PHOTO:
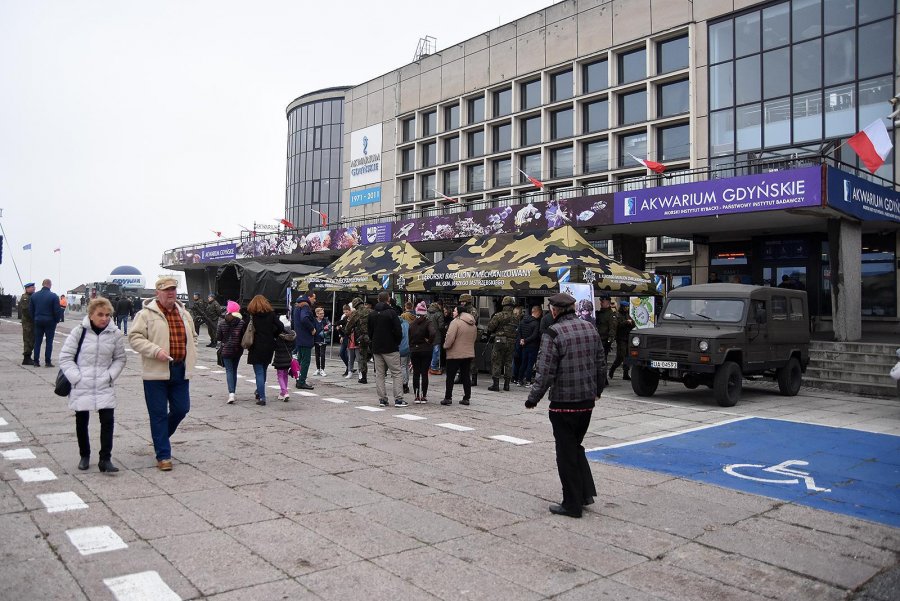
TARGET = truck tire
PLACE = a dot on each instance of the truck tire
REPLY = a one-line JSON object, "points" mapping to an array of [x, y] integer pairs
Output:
{"points": [[644, 381], [789, 377], [728, 383]]}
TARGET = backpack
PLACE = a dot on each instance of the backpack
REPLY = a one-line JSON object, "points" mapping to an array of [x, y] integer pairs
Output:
{"points": [[404, 343]]}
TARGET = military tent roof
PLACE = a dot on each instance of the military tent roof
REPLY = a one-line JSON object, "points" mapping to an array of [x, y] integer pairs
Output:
{"points": [[365, 268]]}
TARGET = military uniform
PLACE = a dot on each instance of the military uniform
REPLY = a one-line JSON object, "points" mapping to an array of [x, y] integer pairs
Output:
{"points": [[213, 311], [27, 327], [503, 327], [358, 324], [466, 300], [623, 330], [198, 312], [607, 324]]}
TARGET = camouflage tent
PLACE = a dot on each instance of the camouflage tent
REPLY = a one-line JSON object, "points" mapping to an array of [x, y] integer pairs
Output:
{"points": [[527, 263], [368, 268]]}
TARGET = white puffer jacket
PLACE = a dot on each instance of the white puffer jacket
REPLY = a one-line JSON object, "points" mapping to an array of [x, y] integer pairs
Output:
{"points": [[101, 360]]}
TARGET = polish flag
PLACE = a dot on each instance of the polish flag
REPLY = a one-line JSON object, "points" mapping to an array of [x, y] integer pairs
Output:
{"points": [[218, 234], [247, 229], [873, 145], [537, 183], [445, 197], [286, 223], [651, 165], [322, 216], [57, 250]]}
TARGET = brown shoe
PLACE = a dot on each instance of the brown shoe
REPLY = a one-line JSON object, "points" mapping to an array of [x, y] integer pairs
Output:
{"points": [[164, 465]]}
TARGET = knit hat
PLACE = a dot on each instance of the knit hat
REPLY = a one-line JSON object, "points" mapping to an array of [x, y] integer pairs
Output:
{"points": [[422, 309], [233, 308]]}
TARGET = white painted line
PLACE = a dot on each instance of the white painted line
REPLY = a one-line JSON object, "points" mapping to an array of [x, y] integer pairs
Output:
{"points": [[217, 371], [334, 400], [411, 417], [17, 454], [249, 380], [8, 437], [456, 427], [99, 539], [274, 387], [200, 367], [364, 408], [305, 393], [512, 439], [143, 586], [670, 434], [3, 422], [36, 474], [62, 501]]}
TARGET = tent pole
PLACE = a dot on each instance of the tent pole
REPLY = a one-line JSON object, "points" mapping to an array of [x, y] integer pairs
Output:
{"points": [[333, 314]]}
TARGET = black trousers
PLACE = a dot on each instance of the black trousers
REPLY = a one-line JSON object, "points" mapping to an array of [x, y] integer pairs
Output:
{"points": [[574, 471], [107, 423], [420, 363], [320, 356], [465, 372]]}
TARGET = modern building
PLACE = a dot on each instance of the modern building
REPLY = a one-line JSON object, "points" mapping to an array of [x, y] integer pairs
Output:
{"points": [[730, 95]]}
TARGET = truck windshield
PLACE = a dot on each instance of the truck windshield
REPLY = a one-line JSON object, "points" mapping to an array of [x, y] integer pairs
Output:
{"points": [[701, 309]]}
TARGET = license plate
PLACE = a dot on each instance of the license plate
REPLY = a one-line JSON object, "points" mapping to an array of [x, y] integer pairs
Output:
{"points": [[664, 364]]}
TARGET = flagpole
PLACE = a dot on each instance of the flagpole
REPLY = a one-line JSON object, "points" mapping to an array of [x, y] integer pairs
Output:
{"points": [[6, 239]]}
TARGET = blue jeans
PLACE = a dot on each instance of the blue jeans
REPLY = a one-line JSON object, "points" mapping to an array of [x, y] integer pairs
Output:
{"points": [[168, 401], [231, 367], [343, 353], [122, 323], [259, 370], [43, 328], [436, 356], [529, 355]]}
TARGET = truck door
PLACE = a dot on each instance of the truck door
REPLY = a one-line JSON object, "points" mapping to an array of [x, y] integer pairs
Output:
{"points": [[759, 344]]}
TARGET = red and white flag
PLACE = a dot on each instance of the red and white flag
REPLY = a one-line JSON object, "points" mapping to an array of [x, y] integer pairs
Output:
{"points": [[218, 234], [873, 145], [537, 183], [57, 250], [286, 223], [651, 165], [445, 197], [247, 229], [322, 216]]}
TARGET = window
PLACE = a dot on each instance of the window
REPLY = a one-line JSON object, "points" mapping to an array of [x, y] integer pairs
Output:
{"points": [[632, 146], [776, 73], [596, 116], [721, 86], [749, 127], [451, 117], [672, 55], [530, 94], [407, 191], [746, 34], [428, 186], [562, 124], [840, 56], [632, 66], [596, 156], [669, 244], [476, 109], [561, 162], [429, 123], [721, 41], [502, 137], [561, 86], [674, 143], [429, 154], [451, 182], [807, 65], [475, 177], [530, 164], [408, 128], [807, 109], [475, 143], [451, 149], [596, 76], [779, 308], [806, 19], [876, 52], [872, 94], [502, 102], [502, 173], [747, 77], [776, 26], [777, 122], [796, 309], [840, 111], [531, 131], [633, 107], [407, 159], [673, 98]]}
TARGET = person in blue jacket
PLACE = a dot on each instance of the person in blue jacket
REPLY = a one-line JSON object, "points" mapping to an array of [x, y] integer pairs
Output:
{"points": [[304, 324], [46, 312]]}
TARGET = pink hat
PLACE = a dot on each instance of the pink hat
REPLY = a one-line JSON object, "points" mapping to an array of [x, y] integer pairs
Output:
{"points": [[233, 308], [422, 308]]}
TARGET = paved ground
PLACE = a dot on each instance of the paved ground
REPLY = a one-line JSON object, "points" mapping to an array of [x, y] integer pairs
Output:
{"points": [[318, 499]]}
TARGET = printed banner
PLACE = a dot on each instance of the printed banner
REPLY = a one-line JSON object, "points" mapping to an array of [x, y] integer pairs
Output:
{"points": [[860, 198], [222, 252], [365, 196], [365, 156], [373, 234], [584, 299]]}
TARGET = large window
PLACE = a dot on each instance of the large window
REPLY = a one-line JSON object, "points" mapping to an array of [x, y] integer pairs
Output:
{"points": [[451, 149], [632, 147], [429, 123], [428, 186], [633, 107], [451, 182], [596, 156], [408, 129], [451, 117], [407, 191], [530, 164], [531, 130], [561, 86], [530, 94], [562, 124], [502, 137], [672, 55], [632, 66], [674, 142], [476, 109], [475, 177], [475, 143], [407, 159], [596, 76], [674, 98], [429, 154], [561, 162], [502, 102], [502, 173], [596, 116]]}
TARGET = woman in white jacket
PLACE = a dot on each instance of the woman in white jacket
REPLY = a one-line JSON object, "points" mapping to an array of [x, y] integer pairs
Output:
{"points": [[101, 360]]}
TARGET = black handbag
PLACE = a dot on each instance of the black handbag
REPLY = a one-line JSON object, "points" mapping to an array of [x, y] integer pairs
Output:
{"points": [[63, 386]]}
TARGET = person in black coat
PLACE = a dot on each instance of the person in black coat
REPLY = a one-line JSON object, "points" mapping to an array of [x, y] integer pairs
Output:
{"points": [[386, 334], [266, 327], [528, 338]]}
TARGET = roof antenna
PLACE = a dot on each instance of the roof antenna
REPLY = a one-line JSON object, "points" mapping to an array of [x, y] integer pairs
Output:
{"points": [[426, 46]]}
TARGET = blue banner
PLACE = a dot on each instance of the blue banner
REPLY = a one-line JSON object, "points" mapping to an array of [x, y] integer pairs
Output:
{"points": [[860, 198], [365, 196]]}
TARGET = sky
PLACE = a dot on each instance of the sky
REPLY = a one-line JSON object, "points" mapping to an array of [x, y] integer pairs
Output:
{"points": [[128, 127]]}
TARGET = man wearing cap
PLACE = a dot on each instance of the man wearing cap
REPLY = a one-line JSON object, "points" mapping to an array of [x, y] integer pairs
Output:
{"points": [[358, 325], [623, 331], [607, 322], [46, 313], [198, 311], [213, 311], [163, 335], [503, 326], [572, 366], [27, 323]]}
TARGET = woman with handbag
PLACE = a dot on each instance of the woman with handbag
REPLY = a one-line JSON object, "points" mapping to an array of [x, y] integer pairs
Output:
{"points": [[92, 358], [265, 329], [229, 333]]}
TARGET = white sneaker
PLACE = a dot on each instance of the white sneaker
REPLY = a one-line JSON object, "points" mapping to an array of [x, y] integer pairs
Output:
{"points": [[231, 398], [349, 375], [323, 374]]}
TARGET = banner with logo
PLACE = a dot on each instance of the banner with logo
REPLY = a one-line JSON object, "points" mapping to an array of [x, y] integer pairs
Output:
{"points": [[365, 156], [222, 252], [863, 199], [584, 299], [373, 234]]}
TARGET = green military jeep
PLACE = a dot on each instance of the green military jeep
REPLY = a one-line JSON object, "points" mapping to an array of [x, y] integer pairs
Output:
{"points": [[717, 334]]}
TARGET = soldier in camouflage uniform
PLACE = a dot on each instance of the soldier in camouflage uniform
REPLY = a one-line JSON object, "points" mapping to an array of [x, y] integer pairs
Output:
{"points": [[466, 300], [503, 327], [213, 311], [198, 311], [607, 323], [27, 323], [358, 324]]}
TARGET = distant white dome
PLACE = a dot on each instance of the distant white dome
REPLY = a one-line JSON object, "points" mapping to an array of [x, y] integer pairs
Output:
{"points": [[126, 275]]}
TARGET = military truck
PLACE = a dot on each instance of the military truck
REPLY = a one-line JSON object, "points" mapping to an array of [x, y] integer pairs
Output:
{"points": [[718, 334]]}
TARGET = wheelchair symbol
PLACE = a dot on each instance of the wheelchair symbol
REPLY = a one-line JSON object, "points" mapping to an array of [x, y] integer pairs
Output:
{"points": [[782, 469]]}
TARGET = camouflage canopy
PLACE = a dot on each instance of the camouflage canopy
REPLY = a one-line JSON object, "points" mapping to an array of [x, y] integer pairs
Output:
{"points": [[527, 263], [365, 268]]}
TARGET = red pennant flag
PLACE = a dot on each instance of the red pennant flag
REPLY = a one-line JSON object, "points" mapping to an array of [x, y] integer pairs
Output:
{"points": [[56, 250], [537, 183], [322, 216], [651, 165], [872, 144], [445, 197], [218, 234], [286, 223], [247, 229]]}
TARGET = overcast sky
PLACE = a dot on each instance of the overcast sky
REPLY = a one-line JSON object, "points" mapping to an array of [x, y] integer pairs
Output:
{"points": [[128, 127]]}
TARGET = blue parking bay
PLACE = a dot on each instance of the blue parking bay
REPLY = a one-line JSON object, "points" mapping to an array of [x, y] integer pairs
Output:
{"points": [[836, 469]]}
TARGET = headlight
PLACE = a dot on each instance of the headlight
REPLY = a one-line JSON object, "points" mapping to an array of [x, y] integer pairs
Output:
{"points": [[704, 346], [635, 341]]}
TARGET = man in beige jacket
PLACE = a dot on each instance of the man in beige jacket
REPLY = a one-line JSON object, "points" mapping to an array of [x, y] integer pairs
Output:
{"points": [[164, 336]]}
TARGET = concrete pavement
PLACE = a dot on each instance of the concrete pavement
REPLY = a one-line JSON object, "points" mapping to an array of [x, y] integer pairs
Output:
{"points": [[329, 497]]}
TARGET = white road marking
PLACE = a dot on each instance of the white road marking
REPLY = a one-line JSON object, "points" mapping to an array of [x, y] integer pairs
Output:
{"points": [[249, 380], [305, 393], [334, 400], [217, 371], [411, 417], [456, 427], [143, 586], [512, 439], [274, 387], [669, 434], [36, 474], [99, 539], [16, 454], [200, 367], [8, 437], [365, 408], [62, 501], [3, 422]]}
